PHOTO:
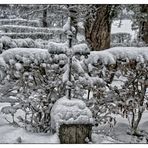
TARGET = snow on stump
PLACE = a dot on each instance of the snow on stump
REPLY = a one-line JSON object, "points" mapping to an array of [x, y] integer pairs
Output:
{"points": [[72, 120]]}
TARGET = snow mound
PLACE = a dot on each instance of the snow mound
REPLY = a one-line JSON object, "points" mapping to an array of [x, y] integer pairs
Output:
{"points": [[110, 56], [72, 111], [23, 54], [57, 48], [81, 49], [62, 48]]}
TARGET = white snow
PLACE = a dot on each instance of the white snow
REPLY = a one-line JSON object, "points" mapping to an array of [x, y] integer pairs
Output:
{"points": [[72, 111], [81, 25], [65, 75], [126, 27], [10, 134], [111, 55], [66, 27], [57, 48], [81, 49], [100, 138], [22, 53], [18, 66]]}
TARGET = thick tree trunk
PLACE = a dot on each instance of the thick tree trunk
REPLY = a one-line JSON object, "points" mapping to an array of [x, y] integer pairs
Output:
{"points": [[74, 133], [144, 24], [97, 29]]}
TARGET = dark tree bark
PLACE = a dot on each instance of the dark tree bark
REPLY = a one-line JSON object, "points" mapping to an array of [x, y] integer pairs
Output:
{"points": [[144, 24], [44, 20], [98, 28]]}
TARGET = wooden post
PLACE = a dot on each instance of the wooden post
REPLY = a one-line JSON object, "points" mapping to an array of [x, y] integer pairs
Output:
{"points": [[74, 133]]}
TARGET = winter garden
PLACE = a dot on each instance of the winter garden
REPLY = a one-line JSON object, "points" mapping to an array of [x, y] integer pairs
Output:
{"points": [[73, 73]]}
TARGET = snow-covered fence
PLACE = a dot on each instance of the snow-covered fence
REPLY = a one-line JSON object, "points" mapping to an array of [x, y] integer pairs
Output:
{"points": [[24, 22]]}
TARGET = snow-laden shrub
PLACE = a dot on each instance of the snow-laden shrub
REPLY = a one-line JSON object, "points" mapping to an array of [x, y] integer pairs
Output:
{"points": [[125, 72], [27, 29], [37, 78], [34, 78], [24, 22], [7, 43], [36, 35]]}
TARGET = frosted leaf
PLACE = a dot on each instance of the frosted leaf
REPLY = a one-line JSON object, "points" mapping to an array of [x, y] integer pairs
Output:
{"points": [[66, 27], [17, 74], [65, 76], [11, 61], [44, 65], [77, 66], [18, 66]]}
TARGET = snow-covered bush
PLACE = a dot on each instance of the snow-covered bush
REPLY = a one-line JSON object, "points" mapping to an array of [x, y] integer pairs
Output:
{"points": [[27, 29], [36, 35], [36, 79], [24, 22], [7, 43], [125, 72]]}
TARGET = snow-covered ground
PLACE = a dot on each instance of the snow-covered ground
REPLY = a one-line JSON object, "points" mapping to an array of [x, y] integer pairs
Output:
{"points": [[102, 134], [11, 134]]}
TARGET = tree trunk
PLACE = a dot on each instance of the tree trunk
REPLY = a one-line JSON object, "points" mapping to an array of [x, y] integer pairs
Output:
{"points": [[136, 123], [98, 28], [44, 20], [74, 133], [144, 24]]}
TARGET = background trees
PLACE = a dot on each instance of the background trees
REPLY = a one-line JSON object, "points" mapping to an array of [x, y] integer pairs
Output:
{"points": [[98, 25]]}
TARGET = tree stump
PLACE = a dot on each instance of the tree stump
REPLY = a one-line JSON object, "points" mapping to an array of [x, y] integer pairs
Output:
{"points": [[74, 133]]}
